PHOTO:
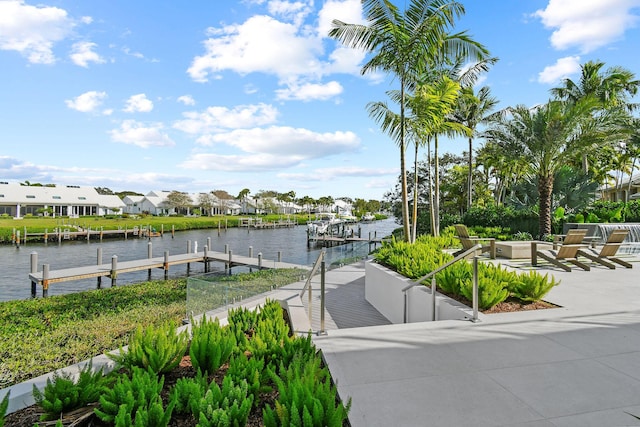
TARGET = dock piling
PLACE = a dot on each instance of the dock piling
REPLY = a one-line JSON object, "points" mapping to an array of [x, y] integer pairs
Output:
{"points": [[149, 255], [260, 260], [45, 280], [114, 270], [34, 269], [250, 251], [166, 265], [99, 262]]}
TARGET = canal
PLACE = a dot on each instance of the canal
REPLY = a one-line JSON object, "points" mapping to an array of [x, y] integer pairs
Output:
{"points": [[290, 242]]}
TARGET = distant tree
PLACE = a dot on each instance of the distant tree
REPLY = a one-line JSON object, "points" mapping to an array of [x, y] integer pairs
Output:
{"points": [[223, 200], [243, 196], [104, 191], [179, 200], [206, 201], [123, 194]]}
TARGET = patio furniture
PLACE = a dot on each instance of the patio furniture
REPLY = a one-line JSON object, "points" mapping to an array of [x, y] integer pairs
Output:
{"points": [[567, 251], [608, 250], [470, 241]]}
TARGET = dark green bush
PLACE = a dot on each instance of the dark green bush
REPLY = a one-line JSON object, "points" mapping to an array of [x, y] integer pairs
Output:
{"points": [[211, 345], [226, 406], [157, 348], [63, 393], [4, 404], [532, 286]]}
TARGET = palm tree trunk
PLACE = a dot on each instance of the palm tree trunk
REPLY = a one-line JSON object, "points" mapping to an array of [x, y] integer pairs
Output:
{"points": [[545, 187], [633, 166], [414, 224], [436, 202], [403, 171], [432, 216], [470, 177]]}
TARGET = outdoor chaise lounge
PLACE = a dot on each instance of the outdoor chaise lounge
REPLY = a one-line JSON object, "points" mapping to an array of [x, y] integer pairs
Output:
{"points": [[607, 252], [568, 251], [470, 241]]}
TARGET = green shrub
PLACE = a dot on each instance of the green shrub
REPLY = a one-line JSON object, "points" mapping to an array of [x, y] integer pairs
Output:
{"points": [[226, 406], [453, 277], [63, 393], [522, 235], [157, 348], [412, 260], [532, 286], [4, 405], [591, 218], [252, 370], [306, 397], [135, 400], [211, 345], [188, 392], [579, 218], [490, 293]]}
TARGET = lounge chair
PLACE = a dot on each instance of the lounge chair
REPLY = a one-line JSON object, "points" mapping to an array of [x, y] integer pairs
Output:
{"points": [[568, 251], [470, 241], [607, 252]]}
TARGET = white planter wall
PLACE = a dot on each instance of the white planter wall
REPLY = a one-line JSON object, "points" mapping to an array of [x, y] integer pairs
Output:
{"points": [[383, 290]]}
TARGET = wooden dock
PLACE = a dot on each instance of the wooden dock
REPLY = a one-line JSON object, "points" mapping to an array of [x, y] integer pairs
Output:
{"points": [[46, 277]]}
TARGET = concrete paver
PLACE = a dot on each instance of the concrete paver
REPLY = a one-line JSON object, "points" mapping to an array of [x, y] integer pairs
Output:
{"points": [[576, 365]]}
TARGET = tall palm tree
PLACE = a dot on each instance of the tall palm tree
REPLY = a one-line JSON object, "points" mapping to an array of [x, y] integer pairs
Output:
{"points": [[612, 88], [546, 136], [405, 44], [472, 110]]}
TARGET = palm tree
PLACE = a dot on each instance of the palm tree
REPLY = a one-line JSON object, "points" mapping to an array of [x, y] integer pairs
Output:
{"points": [[472, 110], [547, 136], [406, 44], [612, 88]]}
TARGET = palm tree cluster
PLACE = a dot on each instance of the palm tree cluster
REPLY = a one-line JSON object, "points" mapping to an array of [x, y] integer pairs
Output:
{"points": [[584, 125]]}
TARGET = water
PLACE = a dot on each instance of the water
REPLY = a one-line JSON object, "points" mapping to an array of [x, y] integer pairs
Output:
{"points": [[291, 242]]}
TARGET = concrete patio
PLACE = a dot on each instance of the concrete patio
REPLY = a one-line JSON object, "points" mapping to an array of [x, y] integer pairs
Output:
{"points": [[577, 365]]}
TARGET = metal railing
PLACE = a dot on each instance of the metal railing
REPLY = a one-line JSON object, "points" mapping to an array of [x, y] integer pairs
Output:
{"points": [[321, 265], [432, 274]]}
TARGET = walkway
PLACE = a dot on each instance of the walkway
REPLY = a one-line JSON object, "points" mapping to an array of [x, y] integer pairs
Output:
{"points": [[578, 365]]}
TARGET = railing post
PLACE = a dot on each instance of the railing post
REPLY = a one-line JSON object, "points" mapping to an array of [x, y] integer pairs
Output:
{"points": [[206, 259], [166, 265], [34, 269], [230, 260], [322, 300], [433, 299], [279, 256], [475, 289]]}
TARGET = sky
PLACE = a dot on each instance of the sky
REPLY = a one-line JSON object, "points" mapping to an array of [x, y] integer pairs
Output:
{"points": [[210, 95]]}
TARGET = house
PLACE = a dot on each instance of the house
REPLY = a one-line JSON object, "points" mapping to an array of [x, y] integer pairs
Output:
{"points": [[623, 192], [57, 200]]}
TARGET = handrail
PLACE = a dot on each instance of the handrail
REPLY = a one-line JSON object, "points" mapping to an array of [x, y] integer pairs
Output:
{"points": [[313, 271], [442, 267], [432, 274]]}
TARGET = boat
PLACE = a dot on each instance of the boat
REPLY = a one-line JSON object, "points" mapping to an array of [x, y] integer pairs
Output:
{"points": [[368, 217]]}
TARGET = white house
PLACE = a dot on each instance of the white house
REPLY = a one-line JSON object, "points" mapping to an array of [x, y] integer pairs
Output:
{"points": [[60, 200]]}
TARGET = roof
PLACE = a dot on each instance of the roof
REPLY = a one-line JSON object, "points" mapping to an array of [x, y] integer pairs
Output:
{"points": [[14, 193]]}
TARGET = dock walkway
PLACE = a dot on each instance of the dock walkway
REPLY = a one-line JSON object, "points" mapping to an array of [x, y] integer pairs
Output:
{"points": [[45, 278]]}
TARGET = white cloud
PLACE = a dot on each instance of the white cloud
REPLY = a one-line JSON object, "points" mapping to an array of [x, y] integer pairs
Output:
{"points": [[294, 11], [260, 44], [587, 24], [288, 141], [329, 174], [215, 119], [141, 135], [138, 104], [82, 54], [349, 11], [240, 163], [87, 102], [33, 30], [310, 91], [187, 100], [563, 68]]}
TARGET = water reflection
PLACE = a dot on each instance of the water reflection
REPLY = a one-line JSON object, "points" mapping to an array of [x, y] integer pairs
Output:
{"points": [[290, 242]]}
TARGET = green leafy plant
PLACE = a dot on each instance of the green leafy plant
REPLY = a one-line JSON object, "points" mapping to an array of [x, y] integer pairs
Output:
{"points": [[4, 405], [451, 278], [63, 393], [252, 370], [211, 345], [188, 392], [533, 286], [226, 406], [490, 293], [306, 397], [135, 401], [157, 348]]}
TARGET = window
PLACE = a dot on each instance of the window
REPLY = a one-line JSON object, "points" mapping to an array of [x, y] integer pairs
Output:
{"points": [[57, 197], [1, 195], [82, 198], [30, 196]]}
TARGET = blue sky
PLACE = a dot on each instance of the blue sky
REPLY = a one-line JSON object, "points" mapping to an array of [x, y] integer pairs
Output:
{"points": [[225, 95]]}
